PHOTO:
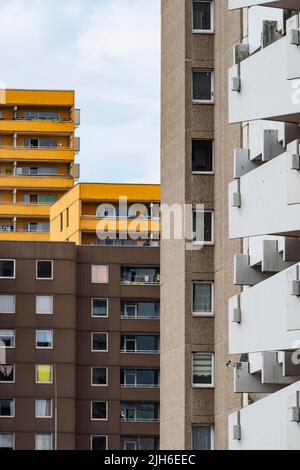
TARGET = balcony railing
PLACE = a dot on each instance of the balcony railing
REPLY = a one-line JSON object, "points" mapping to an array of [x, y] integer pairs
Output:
{"points": [[141, 281], [23, 203], [125, 316], [141, 386], [140, 351], [4, 229], [139, 420], [37, 147], [37, 119]]}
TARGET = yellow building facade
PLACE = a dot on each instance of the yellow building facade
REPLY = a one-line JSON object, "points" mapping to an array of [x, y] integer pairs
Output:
{"points": [[37, 159], [123, 215]]}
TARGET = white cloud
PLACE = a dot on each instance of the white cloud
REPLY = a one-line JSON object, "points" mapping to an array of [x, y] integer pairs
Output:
{"points": [[109, 52]]}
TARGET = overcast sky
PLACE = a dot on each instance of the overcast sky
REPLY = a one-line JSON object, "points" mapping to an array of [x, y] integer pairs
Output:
{"points": [[109, 52]]}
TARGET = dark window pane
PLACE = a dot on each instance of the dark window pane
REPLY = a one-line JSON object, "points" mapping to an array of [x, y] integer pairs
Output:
{"points": [[99, 307], [202, 369], [202, 438], [99, 342], [202, 86], [202, 298], [99, 376], [99, 410], [7, 268], [6, 373], [44, 269], [202, 226], [98, 443], [202, 152], [201, 15], [6, 407]]}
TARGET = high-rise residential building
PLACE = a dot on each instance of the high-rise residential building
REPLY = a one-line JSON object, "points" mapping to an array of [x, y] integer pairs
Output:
{"points": [[264, 322], [197, 166], [37, 159], [79, 346]]}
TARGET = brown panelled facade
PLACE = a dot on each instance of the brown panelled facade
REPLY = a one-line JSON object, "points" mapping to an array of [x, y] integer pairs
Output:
{"points": [[70, 424]]}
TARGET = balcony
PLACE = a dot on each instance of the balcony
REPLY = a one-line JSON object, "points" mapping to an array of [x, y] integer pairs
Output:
{"points": [[90, 223], [55, 154], [35, 182], [271, 423], [20, 235], [139, 344], [288, 4], [135, 276], [139, 412], [140, 310], [266, 316], [38, 126], [257, 209], [10, 209], [249, 81]]}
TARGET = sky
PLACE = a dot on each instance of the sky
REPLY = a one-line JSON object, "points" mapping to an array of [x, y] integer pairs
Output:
{"points": [[108, 51]]}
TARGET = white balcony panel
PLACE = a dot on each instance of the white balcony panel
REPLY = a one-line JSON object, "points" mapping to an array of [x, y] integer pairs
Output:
{"points": [[263, 79], [267, 424], [269, 316], [269, 203], [293, 52], [256, 247], [289, 4]]}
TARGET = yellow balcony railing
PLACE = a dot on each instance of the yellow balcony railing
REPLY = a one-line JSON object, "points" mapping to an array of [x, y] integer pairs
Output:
{"points": [[61, 154], [8, 209], [40, 126], [90, 224], [51, 182], [25, 236]]}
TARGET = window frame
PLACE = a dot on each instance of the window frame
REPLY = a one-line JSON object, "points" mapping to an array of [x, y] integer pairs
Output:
{"points": [[14, 304], [14, 371], [43, 417], [40, 347], [212, 79], [204, 314], [212, 18], [207, 243], [14, 340], [14, 439], [203, 386], [99, 385], [107, 272], [44, 295], [96, 435], [36, 270], [212, 157], [14, 409], [43, 434], [92, 342], [212, 433], [99, 401], [92, 307], [36, 374], [14, 263]]}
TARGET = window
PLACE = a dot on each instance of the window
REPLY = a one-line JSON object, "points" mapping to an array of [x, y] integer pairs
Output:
{"points": [[67, 217], [99, 342], [44, 374], [139, 412], [7, 268], [202, 438], [203, 298], [61, 221], [99, 442], [6, 441], [203, 86], [44, 339], [139, 443], [143, 344], [7, 373], [99, 274], [203, 370], [99, 307], [142, 309], [99, 376], [99, 410], [202, 156], [142, 378], [44, 304], [203, 16], [44, 270], [7, 304], [43, 408], [7, 408], [203, 227], [43, 442], [7, 339], [140, 275]]}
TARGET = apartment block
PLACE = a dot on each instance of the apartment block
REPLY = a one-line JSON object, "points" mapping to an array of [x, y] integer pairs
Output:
{"points": [[117, 210], [264, 327], [197, 143], [79, 346], [37, 159]]}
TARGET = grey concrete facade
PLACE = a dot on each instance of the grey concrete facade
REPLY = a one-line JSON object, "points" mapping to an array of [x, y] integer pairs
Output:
{"points": [[183, 406]]}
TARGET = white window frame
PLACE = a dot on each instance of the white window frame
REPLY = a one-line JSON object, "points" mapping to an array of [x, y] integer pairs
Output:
{"points": [[43, 417], [36, 270], [204, 314], [14, 410], [44, 295], [212, 100], [44, 434], [212, 18], [99, 385], [97, 435], [14, 341], [212, 432], [14, 301], [99, 333], [212, 385], [39, 347], [100, 283], [212, 242], [99, 401], [107, 307], [14, 381], [213, 159], [14, 276], [36, 377], [13, 436]]}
